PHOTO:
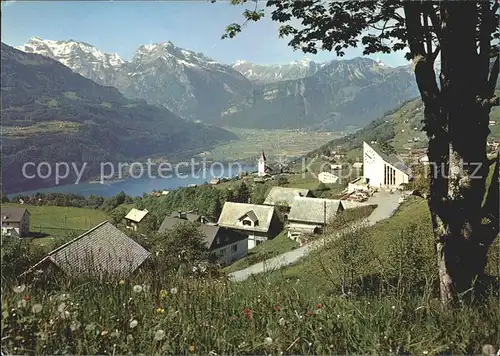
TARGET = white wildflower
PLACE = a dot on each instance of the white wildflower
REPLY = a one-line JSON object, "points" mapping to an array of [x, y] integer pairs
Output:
{"points": [[21, 303], [425, 352], [19, 289], [173, 290], [137, 288], [75, 325], [64, 297], [159, 335], [133, 324], [393, 307], [268, 341], [282, 321], [37, 308]]}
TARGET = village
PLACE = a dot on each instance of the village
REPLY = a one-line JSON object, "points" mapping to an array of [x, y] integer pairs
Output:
{"points": [[241, 227]]}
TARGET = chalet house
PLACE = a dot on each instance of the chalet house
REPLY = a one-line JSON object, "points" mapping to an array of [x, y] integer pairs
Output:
{"points": [[102, 251], [177, 217], [310, 215], [134, 218], [214, 181], [15, 221], [227, 244], [258, 222], [285, 196], [382, 170], [327, 178]]}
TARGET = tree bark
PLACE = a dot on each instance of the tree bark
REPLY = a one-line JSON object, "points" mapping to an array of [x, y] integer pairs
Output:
{"points": [[456, 121]]}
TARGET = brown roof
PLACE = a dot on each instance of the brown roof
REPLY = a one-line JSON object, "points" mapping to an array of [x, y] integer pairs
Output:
{"points": [[169, 222], [13, 214], [218, 236], [103, 250]]}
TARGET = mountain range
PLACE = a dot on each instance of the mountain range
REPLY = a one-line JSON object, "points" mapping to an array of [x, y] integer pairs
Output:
{"points": [[333, 95], [51, 114]]}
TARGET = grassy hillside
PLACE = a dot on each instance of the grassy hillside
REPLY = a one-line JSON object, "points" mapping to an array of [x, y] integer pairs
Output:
{"points": [[48, 223], [52, 114], [388, 306]]}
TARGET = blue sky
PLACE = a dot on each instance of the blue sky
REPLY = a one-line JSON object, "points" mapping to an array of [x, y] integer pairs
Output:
{"points": [[122, 26]]}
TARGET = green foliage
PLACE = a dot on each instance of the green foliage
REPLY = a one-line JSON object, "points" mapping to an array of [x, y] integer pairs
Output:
{"points": [[206, 198], [282, 180], [150, 223], [384, 271], [242, 194], [178, 250], [117, 215]]}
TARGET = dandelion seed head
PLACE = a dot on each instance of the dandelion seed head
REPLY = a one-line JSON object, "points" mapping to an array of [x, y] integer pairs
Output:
{"points": [[61, 307], [137, 288], [159, 335], [75, 325], [173, 290], [19, 289], [37, 308]]}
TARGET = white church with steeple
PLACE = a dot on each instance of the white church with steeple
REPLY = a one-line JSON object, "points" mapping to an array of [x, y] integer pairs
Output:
{"points": [[261, 171]]}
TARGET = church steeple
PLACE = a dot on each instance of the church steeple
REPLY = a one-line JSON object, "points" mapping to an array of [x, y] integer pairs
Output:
{"points": [[262, 165]]}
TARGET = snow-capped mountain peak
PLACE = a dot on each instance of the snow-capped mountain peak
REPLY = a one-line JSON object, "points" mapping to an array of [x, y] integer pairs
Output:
{"points": [[65, 51]]}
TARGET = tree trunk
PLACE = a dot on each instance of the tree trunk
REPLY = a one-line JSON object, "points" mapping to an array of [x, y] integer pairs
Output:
{"points": [[456, 121]]}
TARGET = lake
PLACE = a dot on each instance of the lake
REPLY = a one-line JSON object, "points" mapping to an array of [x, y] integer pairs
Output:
{"points": [[136, 187]]}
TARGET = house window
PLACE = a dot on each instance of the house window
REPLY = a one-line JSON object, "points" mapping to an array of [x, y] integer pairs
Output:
{"points": [[222, 252], [247, 222], [234, 248], [256, 223]]}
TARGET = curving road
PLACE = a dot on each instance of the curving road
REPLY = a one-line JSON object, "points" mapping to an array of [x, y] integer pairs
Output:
{"points": [[386, 206]]}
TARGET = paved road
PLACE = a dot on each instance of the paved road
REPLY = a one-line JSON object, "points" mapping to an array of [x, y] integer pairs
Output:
{"points": [[387, 205]]}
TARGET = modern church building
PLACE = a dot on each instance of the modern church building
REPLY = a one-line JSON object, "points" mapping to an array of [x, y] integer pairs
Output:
{"points": [[381, 170]]}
